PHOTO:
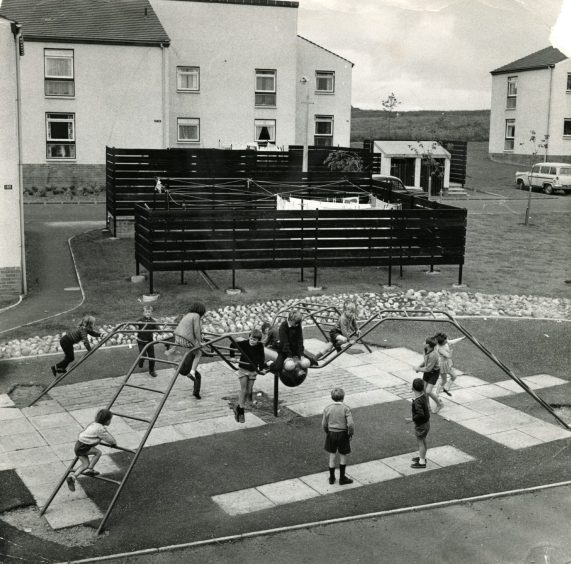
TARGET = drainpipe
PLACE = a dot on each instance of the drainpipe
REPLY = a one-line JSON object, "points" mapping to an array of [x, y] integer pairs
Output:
{"points": [[551, 67], [165, 97], [17, 31]]}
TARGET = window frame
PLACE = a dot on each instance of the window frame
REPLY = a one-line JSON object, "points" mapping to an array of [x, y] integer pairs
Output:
{"points": [[510, 123], [269, 141], [323, 72], [54, 141], [180, 73], [178, 124], [323, 119], [568, 90], [61, 79], [266, 73], [511, 94], [567, 121]]}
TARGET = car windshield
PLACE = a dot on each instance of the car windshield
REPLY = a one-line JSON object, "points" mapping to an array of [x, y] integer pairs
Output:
{"points": [[565, 170]]}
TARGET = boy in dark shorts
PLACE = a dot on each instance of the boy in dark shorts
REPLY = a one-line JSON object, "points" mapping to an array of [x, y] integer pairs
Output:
{"points": [[421, 419], [338, 424]]}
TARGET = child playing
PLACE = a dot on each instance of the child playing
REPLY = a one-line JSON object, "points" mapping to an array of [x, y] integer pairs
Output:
{"points": [[250, 365], [445, 360], [92, 435], [338, 424], [421, 418], [72, 337], [290, 355], [188, 333], [344, 329], [146, 325], [431, 371]]}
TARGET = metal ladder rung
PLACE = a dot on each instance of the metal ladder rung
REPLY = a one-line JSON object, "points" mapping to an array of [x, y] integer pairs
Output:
{"points": [[131, 417], [103, 479], [147, 358], [144, 388], [165, 361]]}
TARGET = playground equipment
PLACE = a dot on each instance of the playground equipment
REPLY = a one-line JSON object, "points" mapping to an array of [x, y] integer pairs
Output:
{"points": [[215, 345]]}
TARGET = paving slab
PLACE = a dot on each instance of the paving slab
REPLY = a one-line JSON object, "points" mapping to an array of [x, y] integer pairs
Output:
{"points": [[373, 472], [243, 501], [402, 462], [27, 457], [10, 413], [544, 380], [43, 407], [59, 435], [496, 391], [320, 482], [70, 513], [405, 355], [448, 455], [40, 474], [21, 441], [16, 427], [545, 432], [287, 491], [6, 401], [515, 439]]}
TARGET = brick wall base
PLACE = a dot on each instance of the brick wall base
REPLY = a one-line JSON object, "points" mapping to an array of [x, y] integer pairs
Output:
{"points": [[524, 160], [125, 227], [63, 175], [10, 281]]}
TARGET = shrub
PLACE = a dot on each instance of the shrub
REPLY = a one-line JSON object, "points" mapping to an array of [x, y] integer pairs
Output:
{"points": [[42, 192]]}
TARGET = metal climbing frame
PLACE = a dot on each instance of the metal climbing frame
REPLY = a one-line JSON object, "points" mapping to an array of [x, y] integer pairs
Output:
{"points": [[317, 312], [211, 346]]}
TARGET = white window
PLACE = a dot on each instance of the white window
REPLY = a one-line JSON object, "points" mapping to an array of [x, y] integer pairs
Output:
{"points": [[323, 131], [188, 130], [265, 87], [512, 93], [567, 127], [60, 131], [325, 81], [188, 79], [510, 135], [265, 131], [58, 72]]}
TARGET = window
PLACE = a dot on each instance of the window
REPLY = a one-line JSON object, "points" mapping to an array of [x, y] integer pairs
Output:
{"points": [[188, 130], [188, 79], [535, 169], [569, 82], [512, 93], [510, 135], [60, 131], [58, 72], [265, 131], [325, 81], [265, 87], [567, 127], [323, 131]]}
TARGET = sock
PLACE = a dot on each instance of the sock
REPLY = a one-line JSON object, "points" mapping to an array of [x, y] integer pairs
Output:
{"points": [[342, 470], [422, 461], [332, 472], [193, 372]]}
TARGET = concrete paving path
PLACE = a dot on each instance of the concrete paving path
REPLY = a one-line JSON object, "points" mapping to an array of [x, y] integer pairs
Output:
{"points": [[53, 287]]}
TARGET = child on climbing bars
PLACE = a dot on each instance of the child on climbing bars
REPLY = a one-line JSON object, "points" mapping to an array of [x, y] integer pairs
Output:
{"points": [[250, 365], [344, 329], [72, 337], [338, 423], [86, 443], [421, 419]]}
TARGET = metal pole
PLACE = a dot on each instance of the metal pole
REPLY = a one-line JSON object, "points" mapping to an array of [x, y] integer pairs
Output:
{"points": [[276, 389]]}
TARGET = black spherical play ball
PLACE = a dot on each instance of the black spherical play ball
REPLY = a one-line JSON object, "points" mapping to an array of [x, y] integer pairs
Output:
{"points": [[293, 378]]}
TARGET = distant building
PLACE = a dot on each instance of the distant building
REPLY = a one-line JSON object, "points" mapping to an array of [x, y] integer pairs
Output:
{"points": [[532, 94], [12, 257], [169, 73]]}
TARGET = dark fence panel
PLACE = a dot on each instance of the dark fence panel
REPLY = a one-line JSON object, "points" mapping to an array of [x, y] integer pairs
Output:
{"points": [[459, 158]]}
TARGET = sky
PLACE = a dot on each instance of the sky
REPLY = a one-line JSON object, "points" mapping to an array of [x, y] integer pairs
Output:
{"points": [[433, 54]]}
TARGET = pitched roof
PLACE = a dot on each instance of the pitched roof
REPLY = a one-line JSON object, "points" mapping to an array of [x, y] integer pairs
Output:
{"points": [[410, 149], [87, 21], [278, 3], [313, 43], [539, 60]]}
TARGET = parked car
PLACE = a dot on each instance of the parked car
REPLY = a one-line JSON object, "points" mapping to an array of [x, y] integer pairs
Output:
{"points": [[395, 184], [548, 177]]}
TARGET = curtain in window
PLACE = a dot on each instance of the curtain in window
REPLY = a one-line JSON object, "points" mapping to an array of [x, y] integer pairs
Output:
{"points": [[59, 66]]}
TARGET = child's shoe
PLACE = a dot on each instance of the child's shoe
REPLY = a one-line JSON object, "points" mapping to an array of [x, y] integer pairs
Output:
{"points": [[54, 371], [236, 411], [153, 374], [241, 415], [344, 480], [91, 472], [418, 464], [415, 459], [71, 482], [331, 480]]}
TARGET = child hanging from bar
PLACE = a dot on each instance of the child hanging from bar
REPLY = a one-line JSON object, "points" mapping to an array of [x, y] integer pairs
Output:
{"points": [[251, 364], [86, 443], [72, 337], [345, 329]]}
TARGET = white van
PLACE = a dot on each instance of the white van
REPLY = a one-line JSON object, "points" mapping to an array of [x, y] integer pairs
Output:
{"points": [[548, 177]]}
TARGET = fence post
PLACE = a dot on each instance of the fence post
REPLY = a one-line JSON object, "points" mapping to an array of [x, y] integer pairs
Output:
{"points": [[315, 248], [276, 391], [233, 252], [459, 275], [182, 257], [301, 249]]}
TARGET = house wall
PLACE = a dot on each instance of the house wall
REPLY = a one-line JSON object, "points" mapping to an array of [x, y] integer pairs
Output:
{"points": [[117, 102], [11, 242], [229, 42], [311, 58], [531, 114]]}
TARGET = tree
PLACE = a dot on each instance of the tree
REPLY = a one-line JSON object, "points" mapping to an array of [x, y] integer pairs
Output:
{"points": [[433, 166], [389, 106], [344, 161], [533, 158]]}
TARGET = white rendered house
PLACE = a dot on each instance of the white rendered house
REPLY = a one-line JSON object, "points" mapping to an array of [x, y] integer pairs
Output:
{"points": [[532, 94], [169, 73]]}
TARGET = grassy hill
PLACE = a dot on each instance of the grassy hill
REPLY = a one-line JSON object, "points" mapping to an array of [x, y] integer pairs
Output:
{"points": [[452, 125]]}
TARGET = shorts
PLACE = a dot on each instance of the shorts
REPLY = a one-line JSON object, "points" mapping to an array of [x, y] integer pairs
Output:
{"points": [[422, 430], [81, 449], [337, 441], [431, 377], [250, 374]]}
